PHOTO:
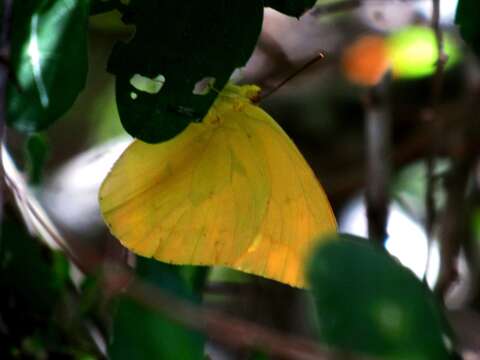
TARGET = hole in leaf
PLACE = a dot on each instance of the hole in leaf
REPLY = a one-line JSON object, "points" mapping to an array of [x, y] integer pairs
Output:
{"points": [[204, 86], [146, 84]]}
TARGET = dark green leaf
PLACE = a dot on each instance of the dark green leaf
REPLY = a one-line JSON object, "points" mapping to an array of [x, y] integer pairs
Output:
{"points": [[37, 151], [290, 7], [179, 44], [368, 303], [27, 270], [194, 277], [468, 12], [258, 355], [49, 60], [101, 6], [32, 283], [141, 333]]}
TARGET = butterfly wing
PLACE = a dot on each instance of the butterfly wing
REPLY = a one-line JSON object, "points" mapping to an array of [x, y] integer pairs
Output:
{"points": [[238, 194], [298, 211], [191, 200]]}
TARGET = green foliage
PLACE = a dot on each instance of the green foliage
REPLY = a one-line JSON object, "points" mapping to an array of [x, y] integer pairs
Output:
{"points": [[413, 52], [36, 149], [178, 44], [26, 270], [49, 60], [101, 6], [467, 20], [33, 284], [142, 333], [368, 303]]}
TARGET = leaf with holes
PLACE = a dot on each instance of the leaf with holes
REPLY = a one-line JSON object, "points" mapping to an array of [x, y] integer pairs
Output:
{"points": [[49, 60], [182, 54]]}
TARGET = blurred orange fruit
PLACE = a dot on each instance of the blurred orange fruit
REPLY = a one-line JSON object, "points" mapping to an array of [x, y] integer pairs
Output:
{"points": [[366, 61]]}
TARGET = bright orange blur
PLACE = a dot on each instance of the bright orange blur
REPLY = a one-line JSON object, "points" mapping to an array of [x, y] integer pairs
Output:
{"points": [[366, 61]]}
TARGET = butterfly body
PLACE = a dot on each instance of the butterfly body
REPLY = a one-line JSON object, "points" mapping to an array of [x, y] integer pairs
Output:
{"points": [[232, 190]]}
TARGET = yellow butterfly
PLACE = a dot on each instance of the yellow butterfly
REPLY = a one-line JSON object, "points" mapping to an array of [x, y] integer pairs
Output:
{"points": [[232, 190]]}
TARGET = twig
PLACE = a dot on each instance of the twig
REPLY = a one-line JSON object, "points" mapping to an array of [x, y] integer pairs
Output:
{"points": [[436, 127], [304, 67], [455, 218], [454, 224], [378, 142], [436, 94]]}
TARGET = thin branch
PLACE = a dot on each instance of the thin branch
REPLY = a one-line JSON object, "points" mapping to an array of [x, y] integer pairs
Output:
{"points": [[454, 226], [378, 142], [436, 126], [437, 130], [304, 67]]}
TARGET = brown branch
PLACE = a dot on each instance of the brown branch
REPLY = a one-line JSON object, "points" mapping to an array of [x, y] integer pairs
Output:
{"points": [[454, 224], [450, 228], [434, 118], [454, 229], [378, 142]]}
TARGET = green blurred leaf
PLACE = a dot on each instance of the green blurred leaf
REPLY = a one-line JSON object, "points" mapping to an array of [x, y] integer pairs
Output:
{"points": [[258, 355], [475, 223], [468, 12], [290, 7], [178, 45], [102, 6], [194, 277], [49, 60], [37, 152], [141, 333], [368, 303], [32, 283], [27, 270]]}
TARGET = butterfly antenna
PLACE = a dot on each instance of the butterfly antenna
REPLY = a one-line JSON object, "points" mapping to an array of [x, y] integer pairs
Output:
{"points": [[313, 61]]}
